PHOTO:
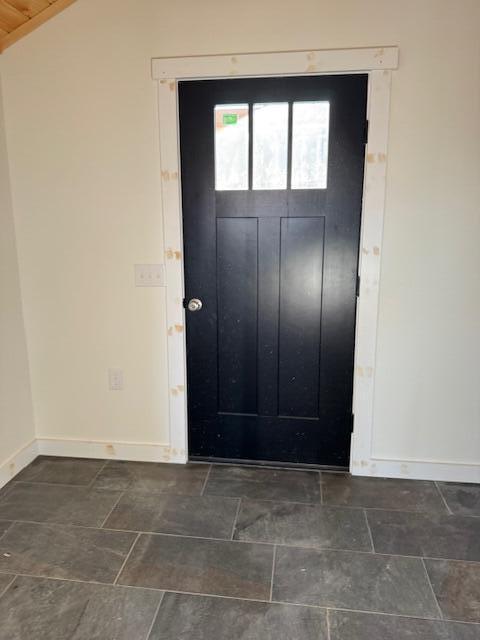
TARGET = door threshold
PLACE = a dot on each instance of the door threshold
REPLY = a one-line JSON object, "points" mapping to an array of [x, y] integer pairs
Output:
{"points": [[268, 463]]}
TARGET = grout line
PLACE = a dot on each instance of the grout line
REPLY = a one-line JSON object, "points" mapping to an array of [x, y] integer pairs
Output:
{"points": [[155, 616], [236, 518], [274, 558], [126, 558], [54, 484], [158, 589], [369, 530], [8, 528], [431, 588], [320, 482], [246, 497], [366, 506], [214, 595], [271, 543], [6, 490], [90, 484], [463, 622], [443, 499], [276, 500], [43, 576], [122, 493], [393, 510], [375, 613], [4, 591], [206, 480], [323, 503], [327, 617]]}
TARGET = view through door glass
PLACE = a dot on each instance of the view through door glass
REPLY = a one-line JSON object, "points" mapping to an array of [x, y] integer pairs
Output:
{"points": [[272, 175]]}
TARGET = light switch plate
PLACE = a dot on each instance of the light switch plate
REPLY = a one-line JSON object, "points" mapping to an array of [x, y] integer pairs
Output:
{"points": [[149, 275]]}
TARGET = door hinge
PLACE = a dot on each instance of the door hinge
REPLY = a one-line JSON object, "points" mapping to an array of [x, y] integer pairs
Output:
{"points": [[365, 133], [357, 291]]}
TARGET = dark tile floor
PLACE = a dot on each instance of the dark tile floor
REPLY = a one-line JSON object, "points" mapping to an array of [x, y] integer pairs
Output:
{"points": [[134, 551]]}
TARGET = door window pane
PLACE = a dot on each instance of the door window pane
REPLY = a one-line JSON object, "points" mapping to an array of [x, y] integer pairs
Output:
{"points": [[270, 145], [231, 147], [310, 124]]}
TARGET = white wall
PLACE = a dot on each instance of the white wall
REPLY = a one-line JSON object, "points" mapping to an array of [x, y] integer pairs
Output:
{"points": [[82, 135], [16, 413]]}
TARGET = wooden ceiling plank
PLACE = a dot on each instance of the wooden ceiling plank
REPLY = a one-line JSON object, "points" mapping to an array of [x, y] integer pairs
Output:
{"points": [[30, 25], [10, 18], [29, 8]]}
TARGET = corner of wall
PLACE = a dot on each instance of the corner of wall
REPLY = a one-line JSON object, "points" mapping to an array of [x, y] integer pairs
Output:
{"points": [[17, 427]]}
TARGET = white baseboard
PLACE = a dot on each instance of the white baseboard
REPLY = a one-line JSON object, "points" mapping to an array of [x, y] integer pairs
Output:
{"points": [[418, 470], [137, 451], [148, 452], [17, 462]]}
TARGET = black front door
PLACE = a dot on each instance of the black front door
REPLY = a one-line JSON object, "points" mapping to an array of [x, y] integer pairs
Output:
{"points": [[272, 176]]}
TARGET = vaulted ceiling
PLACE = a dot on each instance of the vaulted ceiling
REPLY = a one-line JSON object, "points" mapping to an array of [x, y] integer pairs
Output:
{"points": [[20, 17]]}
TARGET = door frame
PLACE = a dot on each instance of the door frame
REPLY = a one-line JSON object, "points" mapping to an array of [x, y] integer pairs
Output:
{"points": [[378, 63]]}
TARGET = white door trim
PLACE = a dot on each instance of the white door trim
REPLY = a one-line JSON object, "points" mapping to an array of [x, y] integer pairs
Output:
{"points": [[378, 63], [285, 63]]}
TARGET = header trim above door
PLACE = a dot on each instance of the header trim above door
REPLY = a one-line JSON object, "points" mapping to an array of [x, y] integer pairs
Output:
{"points": [[280, 63], [378, 62]]}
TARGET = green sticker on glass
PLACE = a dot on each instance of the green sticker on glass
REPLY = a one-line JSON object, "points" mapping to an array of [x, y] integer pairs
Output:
{"points": [[230, 118]]}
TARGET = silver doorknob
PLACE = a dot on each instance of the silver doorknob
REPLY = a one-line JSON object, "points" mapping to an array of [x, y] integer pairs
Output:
{"points": [[194, 304]]}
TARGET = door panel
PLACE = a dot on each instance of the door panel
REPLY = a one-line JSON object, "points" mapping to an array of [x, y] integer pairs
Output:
{"points": [[237, 273], [270, 354], [301, 274], [268, 303]]}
